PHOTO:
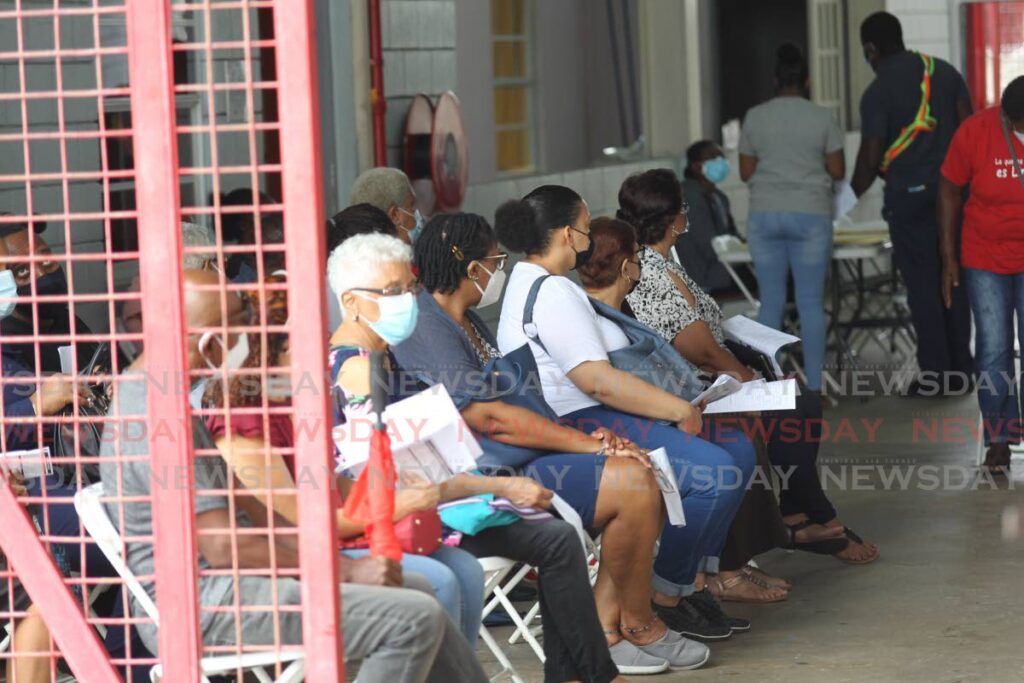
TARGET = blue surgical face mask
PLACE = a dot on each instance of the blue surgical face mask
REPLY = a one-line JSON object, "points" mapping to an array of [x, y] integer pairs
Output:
{"points": [[398, 315], [716, 170], [195, 395], [8, 289], [415, 233]]}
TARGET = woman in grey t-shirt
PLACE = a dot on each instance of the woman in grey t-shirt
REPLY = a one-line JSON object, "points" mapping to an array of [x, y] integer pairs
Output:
{"points": [[790, 152]]}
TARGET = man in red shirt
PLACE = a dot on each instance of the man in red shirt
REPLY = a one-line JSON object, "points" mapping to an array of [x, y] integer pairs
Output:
{"points": [[987, 154]]}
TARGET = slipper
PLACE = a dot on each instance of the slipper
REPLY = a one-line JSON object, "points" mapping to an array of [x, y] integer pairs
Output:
{"points": [[852, 536], [827, 546]]}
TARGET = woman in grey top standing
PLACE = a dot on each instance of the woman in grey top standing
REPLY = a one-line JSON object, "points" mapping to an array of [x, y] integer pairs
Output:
{"points": [[791, 151]]}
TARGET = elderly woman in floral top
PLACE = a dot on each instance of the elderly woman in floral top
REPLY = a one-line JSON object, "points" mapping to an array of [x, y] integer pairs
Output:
{"points": [[669, 301]]}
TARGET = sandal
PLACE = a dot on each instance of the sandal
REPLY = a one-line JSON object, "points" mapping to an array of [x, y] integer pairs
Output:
{"points": [[721, 590], [765, 580], [852, 536], [828, 546]]}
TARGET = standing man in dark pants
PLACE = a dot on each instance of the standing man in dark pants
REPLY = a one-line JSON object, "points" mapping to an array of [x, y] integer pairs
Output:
{"points": [[909, 114]]}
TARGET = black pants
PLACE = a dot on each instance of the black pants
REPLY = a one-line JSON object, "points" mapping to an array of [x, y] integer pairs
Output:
{"points": [[943, 335], [757, 526], [574, 644], [795, 436]]}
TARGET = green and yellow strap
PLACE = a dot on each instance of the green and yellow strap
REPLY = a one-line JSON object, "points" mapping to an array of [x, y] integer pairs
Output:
{"points": [[923, 121]]}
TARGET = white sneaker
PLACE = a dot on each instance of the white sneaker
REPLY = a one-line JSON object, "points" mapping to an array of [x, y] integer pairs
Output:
{"points": [[631, 660], [681, 653]]}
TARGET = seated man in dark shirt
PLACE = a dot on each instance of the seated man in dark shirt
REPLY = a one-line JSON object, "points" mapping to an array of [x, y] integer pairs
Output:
{"points": [[54, 317]]}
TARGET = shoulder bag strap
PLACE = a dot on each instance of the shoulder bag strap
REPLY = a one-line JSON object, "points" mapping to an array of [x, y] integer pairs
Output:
{"points": [[1013, 151], [528, 327]]}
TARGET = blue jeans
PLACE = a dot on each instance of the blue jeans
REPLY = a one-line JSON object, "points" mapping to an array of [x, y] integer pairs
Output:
{"points": [[457, 580], [782, 242], [994, 298], [712, 478]]}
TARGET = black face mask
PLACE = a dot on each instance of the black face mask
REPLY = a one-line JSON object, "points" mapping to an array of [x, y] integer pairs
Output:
{"points": [[51, 284], [583, 256]]}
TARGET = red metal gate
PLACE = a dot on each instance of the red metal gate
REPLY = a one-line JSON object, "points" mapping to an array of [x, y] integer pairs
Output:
{"points": [[121, 119]]}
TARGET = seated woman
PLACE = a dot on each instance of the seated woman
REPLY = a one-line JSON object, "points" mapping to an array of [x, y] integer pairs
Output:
{"points": [[609, 275], [260, 457], [371, 276], [667, 300], [460, 267], [709, 216], [571, 345]]}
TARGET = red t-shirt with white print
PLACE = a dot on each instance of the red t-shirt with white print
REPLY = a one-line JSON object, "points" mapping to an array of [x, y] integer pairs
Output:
{"points": [[993, 229]]}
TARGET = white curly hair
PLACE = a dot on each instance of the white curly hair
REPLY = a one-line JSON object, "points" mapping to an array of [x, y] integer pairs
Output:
{"points": [[355, 261]]}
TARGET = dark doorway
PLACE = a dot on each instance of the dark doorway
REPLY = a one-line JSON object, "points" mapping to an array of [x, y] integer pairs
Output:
{"points": [[749, 31]]}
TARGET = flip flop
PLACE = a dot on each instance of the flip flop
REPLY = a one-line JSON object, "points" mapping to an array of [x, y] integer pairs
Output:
{"points": [[852, 536], [826, 546]]}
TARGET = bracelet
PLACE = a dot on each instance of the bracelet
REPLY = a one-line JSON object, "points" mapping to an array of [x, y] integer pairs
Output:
{"points": [[601, 451]]}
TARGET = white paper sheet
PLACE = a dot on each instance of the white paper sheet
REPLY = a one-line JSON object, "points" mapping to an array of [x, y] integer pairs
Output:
{"points": [[569, 514], [757, 396], [669, 486], [723, 386], [759, 337], [66, 359], [428, 438], [31, 464], [843, 199]]}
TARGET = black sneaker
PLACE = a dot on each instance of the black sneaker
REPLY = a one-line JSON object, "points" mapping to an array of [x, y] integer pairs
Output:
{"points": [[687, 621], [706, 603]]}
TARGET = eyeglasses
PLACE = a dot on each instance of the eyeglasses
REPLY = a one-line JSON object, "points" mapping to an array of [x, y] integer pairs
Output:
{"points": [[414, 289], [579, 231], [501, 259]]}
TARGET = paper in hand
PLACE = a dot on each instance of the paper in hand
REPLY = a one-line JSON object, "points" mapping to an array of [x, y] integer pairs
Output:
{"points": [[757, 396], [767, 340], [843, 199], [428, 437], [723, 386], [31, 464], [669, 486]]}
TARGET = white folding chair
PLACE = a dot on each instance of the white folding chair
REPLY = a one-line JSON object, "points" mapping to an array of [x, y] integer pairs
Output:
{"points": [[731, 251], [592, 551], [496, 569], [89, 505]]}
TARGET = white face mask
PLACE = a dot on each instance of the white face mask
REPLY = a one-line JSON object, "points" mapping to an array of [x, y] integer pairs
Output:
{"points": [[278, 387], [492, 292], [233, 359]]}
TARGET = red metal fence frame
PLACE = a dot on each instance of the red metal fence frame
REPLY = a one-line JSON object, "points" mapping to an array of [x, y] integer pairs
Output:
{"points": [[150, 55], [304, 215], [151, 74]]}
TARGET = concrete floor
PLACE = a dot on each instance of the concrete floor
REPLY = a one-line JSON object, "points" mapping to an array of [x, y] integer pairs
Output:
{"points": [[943, 604]]}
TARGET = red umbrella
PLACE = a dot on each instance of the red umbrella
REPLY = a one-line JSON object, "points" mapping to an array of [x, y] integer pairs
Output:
{"points": [[372, 499]]}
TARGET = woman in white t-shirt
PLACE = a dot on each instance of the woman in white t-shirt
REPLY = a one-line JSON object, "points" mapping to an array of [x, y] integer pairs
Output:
{"points": [[570, 343]]}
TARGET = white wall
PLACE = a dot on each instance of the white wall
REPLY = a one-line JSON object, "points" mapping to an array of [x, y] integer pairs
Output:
{"points": [[926, 26], [419, 57]]}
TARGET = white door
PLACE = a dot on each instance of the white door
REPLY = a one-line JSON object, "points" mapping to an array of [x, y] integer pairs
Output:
{"points": [[827, 55]]}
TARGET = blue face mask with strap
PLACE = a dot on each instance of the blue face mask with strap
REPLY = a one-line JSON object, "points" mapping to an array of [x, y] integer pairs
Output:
{"points": [[417, 230], [398, 315], [716, 170], [8, 290]]}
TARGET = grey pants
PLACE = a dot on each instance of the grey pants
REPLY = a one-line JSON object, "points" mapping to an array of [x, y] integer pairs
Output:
{"points": [[397, 634]]}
